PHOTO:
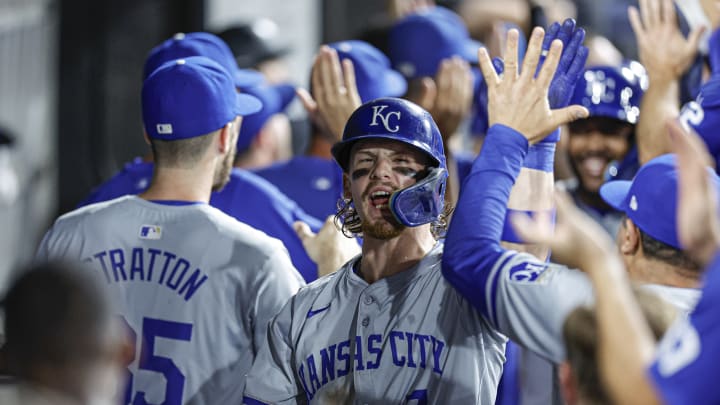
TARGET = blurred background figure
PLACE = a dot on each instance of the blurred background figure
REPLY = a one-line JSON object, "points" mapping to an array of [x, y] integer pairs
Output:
{"points": [[602, 146], [62, 343], [266, 136], [256, 45]]}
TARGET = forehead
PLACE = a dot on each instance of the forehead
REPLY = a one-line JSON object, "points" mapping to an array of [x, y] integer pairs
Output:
{"points": [[385, 145]]}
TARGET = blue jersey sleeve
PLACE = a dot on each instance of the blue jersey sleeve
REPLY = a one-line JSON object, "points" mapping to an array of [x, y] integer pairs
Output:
{"points": [[254, 201], [133, 179], [684, 371], [525, 298], [472, 245]]}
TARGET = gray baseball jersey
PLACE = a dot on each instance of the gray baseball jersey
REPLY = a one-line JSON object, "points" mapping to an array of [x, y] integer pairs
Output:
{"points": [[407, 338], [195, 287], [547, 292]]}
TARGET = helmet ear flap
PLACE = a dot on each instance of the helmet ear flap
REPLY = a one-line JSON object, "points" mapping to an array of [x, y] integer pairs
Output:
{"points": [[423, 202]]}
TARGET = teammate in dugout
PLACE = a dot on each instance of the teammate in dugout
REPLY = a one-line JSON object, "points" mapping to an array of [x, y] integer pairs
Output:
{"points": [[195, 286], [386, 327], [492, 277]]}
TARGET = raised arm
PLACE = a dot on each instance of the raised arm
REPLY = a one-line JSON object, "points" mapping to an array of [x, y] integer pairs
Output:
{"points": [[533, 189], [626, 342], [474, 262], [666, 55], [626, 347]]}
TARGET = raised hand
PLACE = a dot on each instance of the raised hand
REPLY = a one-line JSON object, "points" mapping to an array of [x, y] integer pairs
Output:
{"points": [[453, 87], [662, 48], [519, 99], [571, 63], [572, 60], [328, 248], [335, 93]]}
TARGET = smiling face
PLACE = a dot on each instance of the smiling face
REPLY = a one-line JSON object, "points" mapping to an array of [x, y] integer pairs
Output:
{"points": [[593, 144], [377, 169]]}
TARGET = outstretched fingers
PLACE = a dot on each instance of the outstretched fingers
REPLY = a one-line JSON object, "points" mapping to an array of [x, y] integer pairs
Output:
{"points": [[486, 67], [511, 54], [547, 71], [533, 54]]}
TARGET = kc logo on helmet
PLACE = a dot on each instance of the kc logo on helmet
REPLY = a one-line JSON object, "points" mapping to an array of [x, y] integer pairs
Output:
{"points": [[378, 113]]}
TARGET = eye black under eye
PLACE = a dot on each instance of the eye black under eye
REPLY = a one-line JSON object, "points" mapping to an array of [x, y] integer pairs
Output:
{"points": [[356, 174], [406, 171]]}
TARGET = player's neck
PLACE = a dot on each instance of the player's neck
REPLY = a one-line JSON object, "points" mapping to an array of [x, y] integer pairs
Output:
{"points": [[652, 271], [384, 258], [180, 185]]}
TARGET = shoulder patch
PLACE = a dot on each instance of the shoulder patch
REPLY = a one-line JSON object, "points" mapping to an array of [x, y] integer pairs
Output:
{"points": [[527, 272]]}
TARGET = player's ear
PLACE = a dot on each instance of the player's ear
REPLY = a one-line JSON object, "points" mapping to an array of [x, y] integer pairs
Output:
{"points": [[146, 137], [629, 235], [568, 383], [225, 138]]}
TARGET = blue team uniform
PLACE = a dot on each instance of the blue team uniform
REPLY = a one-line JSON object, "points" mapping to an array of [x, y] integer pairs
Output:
{"points": [[246, 197], [314, 183], [685, 369]]}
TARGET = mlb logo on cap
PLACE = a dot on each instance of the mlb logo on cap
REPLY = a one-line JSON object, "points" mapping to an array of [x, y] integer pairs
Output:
{"points": [[164, 128]]}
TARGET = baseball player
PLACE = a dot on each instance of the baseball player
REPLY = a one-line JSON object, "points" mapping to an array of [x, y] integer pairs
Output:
{"points": [[195, 286], [475, 261], [399, 332], [602, 147], [247, 197], [683, 368]]}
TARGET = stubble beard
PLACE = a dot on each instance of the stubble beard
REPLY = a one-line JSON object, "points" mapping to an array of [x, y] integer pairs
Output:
{"points": [[222, 174], [381, 229]]}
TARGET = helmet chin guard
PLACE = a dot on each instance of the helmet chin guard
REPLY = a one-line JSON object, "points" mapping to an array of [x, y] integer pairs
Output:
{"points": [[422, 202]]}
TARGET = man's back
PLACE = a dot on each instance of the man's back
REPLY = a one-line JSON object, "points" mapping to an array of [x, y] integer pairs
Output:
{"points": [[195, 287], [246, 197]]}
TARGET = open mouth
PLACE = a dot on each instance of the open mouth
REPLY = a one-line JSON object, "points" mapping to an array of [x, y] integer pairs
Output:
{"points": [[594, 166], [380, 199]]}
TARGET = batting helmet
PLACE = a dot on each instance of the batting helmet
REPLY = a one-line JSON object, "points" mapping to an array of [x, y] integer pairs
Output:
{"points": [[613, 92], [402, 121]]}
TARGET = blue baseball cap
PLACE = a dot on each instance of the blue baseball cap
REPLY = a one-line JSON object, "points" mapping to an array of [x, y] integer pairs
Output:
{"points": [[419, 42], [190, 97], [183, 45], [374, 76], [650, 199], [274, 100]]}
